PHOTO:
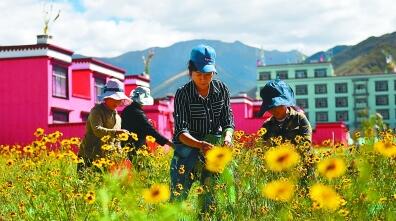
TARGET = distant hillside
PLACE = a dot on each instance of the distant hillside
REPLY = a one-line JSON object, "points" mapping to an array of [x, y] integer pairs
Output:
{"points": [[325, 55], [366, 57], [236, 64]]}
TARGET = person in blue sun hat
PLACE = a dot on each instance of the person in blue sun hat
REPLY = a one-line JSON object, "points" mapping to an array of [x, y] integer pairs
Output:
{"points": [[287, 120]]}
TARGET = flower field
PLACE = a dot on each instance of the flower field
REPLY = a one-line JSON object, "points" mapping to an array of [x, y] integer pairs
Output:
{"points": [[285, 182]]}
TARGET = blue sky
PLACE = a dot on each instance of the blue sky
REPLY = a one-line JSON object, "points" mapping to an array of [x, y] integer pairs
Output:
{"points": [[111, 27]]}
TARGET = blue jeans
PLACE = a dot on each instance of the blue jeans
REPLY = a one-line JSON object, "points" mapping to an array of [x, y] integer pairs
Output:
{"points": [[193, 162]]}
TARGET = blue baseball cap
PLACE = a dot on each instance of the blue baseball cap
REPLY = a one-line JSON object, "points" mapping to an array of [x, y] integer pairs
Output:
{"points": [[276, 93], [204, 58]]}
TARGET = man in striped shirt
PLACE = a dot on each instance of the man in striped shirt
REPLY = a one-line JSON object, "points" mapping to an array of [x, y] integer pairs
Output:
{"points": [[203, 117]]}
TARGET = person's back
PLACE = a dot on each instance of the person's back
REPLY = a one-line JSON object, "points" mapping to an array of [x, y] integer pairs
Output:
{"points": [[134, 120]]}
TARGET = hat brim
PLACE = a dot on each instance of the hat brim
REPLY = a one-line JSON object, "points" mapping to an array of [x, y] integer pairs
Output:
{"points": [[277, 101], [208, 68], [116, 96]]}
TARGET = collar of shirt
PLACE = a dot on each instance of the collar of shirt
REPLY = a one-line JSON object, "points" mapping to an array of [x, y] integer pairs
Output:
{"points": [[212, 89]]}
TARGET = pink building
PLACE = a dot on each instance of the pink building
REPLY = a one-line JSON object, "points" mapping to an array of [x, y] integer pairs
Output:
{"points": [[245, 109], [42, 86]]}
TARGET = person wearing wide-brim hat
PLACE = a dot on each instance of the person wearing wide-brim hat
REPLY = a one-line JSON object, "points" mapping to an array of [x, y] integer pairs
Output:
{"points": [[135, 121], [103, 120], [203, 117], [287, 120]]}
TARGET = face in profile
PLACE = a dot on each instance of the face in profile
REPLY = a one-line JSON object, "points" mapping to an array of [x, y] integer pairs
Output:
{"points": [[278, 112], [112, 103]]}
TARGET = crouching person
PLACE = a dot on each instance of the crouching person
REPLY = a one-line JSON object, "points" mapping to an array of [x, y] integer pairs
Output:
{"points": [[103, 120]]}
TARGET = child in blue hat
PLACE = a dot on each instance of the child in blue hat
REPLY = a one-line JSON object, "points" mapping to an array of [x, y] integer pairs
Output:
{"points": [[286, 121]]}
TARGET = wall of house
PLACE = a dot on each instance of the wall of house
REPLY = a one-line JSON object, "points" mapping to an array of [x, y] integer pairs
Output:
{"points": [[23, 103]]}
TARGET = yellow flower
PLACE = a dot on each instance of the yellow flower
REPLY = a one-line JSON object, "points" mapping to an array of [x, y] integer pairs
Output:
{"points": [[90, 197], [134, 136], [387, 149], [326, 142], [39, 132], [282, 157], [10, 162], [332, 168], [262, 131], [218, 158], [28, 149], [123, 137], [106, 138], [75, 140], [280, 190], [150, 139], [157, 193], [199, 190], [181, 169], [343, 212], [326, 196], [106, 147], [65, 142]]}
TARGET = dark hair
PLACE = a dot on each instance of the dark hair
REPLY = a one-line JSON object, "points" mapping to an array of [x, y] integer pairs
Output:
{"points": [[191, 67]]}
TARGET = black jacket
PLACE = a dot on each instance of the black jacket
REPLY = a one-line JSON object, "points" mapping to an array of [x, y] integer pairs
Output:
{"points": [[296, 123], [134, 120]]}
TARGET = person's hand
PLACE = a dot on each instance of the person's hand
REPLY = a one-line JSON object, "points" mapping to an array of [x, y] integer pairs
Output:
{"points": [[227, 140], [205, 146]]}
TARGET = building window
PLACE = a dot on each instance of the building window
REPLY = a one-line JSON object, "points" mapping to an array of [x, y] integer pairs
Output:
{"points": [[342, 115], [322, 72], [265, 75], [320, 102], [381, 100], [59, 82], [381, 86], [394, 85], [307, 115], [301, 89], [99, 87], [341, 101], [320, 88], [321, 116], [282, 74], [84, 116], [303, 103], [384, 113], [301, 73], [360, 86], [59, 116], [341, 88]]}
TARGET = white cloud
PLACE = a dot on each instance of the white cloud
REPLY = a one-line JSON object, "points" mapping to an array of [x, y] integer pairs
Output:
{"points": [[109, 28]]}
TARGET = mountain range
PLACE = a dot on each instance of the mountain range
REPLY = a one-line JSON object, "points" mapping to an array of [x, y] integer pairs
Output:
{"points": [[236, 62]]}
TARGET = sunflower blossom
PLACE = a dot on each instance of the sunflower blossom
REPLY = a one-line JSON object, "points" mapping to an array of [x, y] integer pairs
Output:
{"points": [[386, 148], [156, 194], [218, 158], [282, 157], [280, 190], [332, 168], [326, 196]]}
